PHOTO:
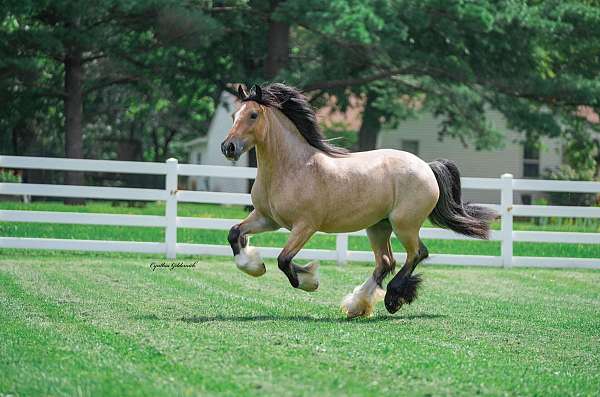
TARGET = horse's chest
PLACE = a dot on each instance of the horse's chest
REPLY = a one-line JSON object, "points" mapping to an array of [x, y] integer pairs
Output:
{"points": [[274, 204]]}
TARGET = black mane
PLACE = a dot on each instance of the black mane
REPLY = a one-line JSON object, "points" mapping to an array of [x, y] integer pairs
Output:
{"points": [[294, 105]]}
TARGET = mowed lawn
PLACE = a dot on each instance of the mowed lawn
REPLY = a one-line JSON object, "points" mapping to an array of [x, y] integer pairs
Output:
{"points": [[106, 324]]}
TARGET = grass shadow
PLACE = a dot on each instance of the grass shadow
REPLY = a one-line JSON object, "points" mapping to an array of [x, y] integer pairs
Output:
{"points": [[146, 317], [306, 319]]}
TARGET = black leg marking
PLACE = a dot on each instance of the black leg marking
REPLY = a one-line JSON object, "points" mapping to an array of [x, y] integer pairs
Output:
{"points": [[403, 287], [285, 265], [406, 288], [423, 253], [234, 239], [380, 273]]}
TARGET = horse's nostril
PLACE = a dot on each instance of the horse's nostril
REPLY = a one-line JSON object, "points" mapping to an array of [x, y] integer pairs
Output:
{"points": [[230, 148]]}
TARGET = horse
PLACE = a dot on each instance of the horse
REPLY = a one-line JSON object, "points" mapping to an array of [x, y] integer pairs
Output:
{"points": [[305, 184]]}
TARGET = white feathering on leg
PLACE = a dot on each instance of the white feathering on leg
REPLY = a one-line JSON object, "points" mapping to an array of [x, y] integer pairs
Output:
{"points": [[308, 276], [363, 299], [250, 262]]}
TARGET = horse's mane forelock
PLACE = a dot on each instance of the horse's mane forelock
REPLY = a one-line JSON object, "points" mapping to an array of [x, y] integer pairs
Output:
{"points": [[294, 105]]}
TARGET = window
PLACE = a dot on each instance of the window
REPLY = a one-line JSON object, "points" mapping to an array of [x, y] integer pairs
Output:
{"points": [[198, 159], [531, 151], [410, 146], [531, 159], [531, 169]]}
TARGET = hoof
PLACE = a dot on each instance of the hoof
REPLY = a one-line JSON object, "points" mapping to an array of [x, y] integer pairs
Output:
{"points": [[405, 291], [361, 302], [250, 262], [393, 302], [308, 277], [356, 306]]}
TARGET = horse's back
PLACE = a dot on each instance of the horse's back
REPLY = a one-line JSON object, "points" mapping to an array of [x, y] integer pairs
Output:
{"points": [[365, 187], [396, 166]]}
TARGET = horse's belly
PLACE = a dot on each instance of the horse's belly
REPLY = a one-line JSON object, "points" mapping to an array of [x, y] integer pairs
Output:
{"points": [[350, 218], [349, 227]]}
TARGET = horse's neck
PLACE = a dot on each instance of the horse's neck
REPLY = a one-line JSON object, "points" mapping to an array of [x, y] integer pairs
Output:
{"points": [[283, 151]]}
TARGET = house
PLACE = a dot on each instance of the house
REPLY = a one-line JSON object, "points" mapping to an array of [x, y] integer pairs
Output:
{"points": [[207, 150], [419, 136]]}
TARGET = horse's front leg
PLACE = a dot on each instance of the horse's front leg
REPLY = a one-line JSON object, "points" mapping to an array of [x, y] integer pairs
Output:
{"points": [[247, 258], [303, 277]]}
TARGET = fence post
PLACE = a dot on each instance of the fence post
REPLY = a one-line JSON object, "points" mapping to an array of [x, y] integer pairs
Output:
{"points": [[506, 206], [171, 209], [341, 248]]}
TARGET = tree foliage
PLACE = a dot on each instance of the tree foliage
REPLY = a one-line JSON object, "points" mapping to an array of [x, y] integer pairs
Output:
{"points": [[153, 70], [138, 60], [536, 62]]}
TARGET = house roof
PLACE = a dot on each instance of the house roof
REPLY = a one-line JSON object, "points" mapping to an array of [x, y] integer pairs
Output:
{"points": [[352, 118], [589, 114], [329, 115]]}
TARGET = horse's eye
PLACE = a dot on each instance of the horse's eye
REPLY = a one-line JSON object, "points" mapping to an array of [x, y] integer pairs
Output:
{"points": [[253, 115]]}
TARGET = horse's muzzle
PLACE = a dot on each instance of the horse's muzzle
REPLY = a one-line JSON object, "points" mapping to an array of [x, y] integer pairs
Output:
{"points": [[231, 150]]}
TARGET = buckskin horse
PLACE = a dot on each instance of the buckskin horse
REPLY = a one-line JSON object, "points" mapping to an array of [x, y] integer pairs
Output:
{"points": [[305, 184]]}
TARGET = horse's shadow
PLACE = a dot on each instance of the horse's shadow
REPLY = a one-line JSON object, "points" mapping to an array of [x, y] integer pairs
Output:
{"points": [[305, 319]]}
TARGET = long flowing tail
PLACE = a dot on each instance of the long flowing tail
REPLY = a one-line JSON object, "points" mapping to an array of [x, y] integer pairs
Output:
{"points": [[450, 212]]}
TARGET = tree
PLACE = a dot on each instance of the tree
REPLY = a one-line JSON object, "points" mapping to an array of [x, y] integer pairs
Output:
{"points": [[90, 46], [530, 60], [533, 61]]}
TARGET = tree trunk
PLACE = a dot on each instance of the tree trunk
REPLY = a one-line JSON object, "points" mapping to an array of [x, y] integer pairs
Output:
{"points": [[278, 44], [24, 145], [370, 127], [73, 116], [279, 48], [23, 138]]}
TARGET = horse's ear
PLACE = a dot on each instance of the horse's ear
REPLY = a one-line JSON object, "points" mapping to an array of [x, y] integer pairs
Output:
{"points": [[242, 92], [257, 92]]}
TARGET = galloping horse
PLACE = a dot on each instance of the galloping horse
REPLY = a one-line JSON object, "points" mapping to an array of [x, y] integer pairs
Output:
{"points": [[305, 185]]}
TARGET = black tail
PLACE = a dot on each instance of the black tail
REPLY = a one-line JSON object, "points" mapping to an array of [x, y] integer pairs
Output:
{"points": [[450, 212]]}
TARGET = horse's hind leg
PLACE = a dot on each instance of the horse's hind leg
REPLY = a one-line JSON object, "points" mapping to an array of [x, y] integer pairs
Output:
{"points": [[403, 287], [364, 297]]}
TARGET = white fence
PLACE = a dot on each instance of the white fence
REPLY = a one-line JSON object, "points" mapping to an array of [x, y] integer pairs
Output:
{"points": [[505, 185]]}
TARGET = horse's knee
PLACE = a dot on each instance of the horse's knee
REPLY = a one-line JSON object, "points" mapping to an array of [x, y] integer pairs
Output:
{"points": [[234, 234]]}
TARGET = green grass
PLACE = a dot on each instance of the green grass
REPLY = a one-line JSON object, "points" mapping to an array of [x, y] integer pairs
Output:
{"points": [[105, 324], [267, 239]]}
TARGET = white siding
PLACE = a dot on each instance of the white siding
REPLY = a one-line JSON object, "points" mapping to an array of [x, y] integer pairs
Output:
{"points": [[198, 182], [211, 150], [550, 155], [472, 163]]}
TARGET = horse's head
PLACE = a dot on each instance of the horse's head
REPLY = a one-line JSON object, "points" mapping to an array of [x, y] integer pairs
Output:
{"points": [[248, 128]]}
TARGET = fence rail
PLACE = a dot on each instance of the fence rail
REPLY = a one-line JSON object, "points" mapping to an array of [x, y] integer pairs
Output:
{"points": [[505, 185]]}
